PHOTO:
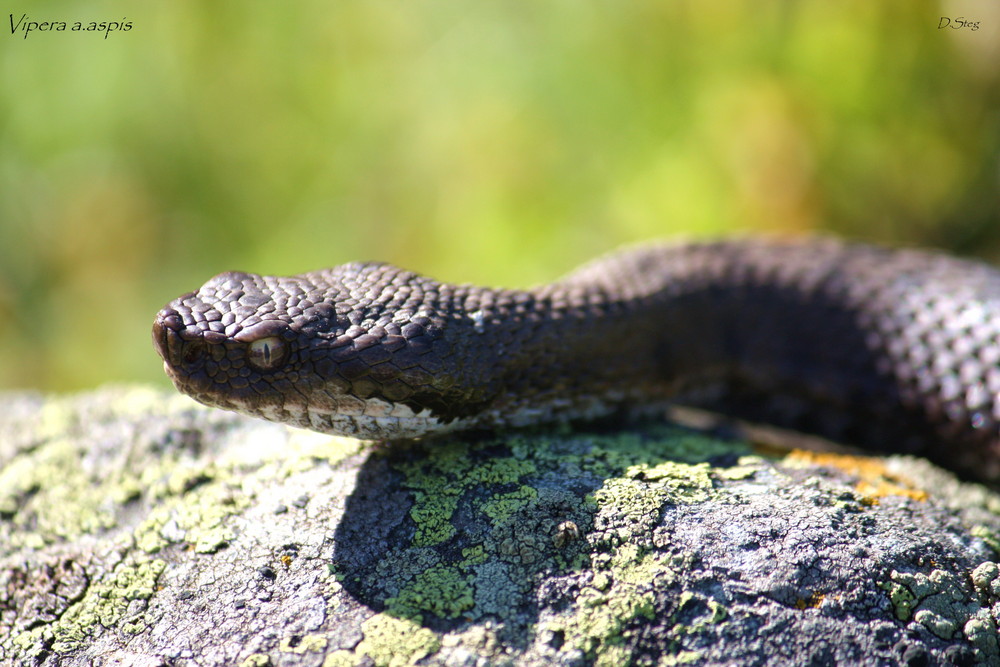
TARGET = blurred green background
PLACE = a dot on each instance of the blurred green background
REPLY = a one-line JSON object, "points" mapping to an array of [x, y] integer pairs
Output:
{"points": [[494, 142]]}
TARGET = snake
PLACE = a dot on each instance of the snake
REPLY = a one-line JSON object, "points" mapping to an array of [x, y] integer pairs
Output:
{"points": [[892, 349]]}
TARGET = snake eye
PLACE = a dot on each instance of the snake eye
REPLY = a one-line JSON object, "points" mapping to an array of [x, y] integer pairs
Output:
{"points": [[267, 354]]}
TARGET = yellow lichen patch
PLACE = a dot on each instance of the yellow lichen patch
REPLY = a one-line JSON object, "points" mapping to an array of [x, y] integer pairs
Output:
{"points": [[875, 480], [302, 645], [342, 658], [394, 642]]}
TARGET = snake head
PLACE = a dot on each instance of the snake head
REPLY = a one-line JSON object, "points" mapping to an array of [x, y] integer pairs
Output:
{"points": [[354, 350], [229, 344]]}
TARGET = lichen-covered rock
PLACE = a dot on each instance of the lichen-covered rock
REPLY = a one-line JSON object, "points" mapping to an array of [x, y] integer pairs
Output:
{"points": [[139, 528]]}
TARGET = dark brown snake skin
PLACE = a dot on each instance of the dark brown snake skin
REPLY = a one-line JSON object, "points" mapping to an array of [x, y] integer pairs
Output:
{"points": [[896, 349]]}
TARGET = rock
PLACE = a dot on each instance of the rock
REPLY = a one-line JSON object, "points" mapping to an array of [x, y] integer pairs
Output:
{"points": [[138, 528]]}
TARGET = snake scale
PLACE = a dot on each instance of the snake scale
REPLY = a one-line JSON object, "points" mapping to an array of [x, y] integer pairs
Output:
{"points": [[893, 349]]}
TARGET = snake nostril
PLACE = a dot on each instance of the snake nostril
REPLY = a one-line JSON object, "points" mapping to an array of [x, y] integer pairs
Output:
{"points": [[193, 352]]}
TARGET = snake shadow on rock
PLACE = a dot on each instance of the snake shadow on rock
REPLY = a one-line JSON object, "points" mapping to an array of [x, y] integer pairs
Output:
{"points": [[456, 531]]}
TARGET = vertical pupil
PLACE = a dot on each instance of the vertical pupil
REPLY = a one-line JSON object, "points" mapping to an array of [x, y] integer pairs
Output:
{"points": [[267, 353]]}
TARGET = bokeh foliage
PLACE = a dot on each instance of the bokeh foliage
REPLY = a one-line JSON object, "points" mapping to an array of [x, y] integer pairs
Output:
{"points": [[485, 141]]}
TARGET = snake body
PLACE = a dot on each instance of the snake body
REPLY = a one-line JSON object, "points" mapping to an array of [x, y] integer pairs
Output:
{"points": [[897, 349]]}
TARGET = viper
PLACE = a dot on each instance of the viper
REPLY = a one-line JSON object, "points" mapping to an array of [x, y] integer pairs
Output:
{"points": [[895, 349]]}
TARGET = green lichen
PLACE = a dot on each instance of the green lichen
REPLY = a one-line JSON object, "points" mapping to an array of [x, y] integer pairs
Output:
{"points": [[986, 579], [302, 451], [442, 590], [432, 512], [939, 601], [641, 493], [497, 481], [902, 600], [502, 506], [437, 487], [48, 496], [196, 502], [134, 626], [987, 536], [194, 509], [622, 589], [939, 625], [395, 642], [746, 468], [402, 566], [681, 658], [439, 482], [601, 621], [981, 631], [601, 581], [104, 605], [602, 616], [473, 556], [659, 442]]}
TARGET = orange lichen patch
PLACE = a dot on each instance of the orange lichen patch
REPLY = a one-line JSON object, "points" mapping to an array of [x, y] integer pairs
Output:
{"points": [[812, 602], [883, 488], [875, 481]]}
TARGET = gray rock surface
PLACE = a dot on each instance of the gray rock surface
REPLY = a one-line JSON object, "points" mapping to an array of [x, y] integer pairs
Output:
{"points": [[137, 528]]}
